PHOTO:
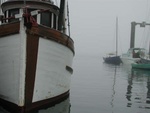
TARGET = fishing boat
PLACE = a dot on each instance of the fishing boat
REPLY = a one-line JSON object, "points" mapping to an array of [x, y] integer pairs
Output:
{"points": [[134, 54], [36, 54], [114, 58]]}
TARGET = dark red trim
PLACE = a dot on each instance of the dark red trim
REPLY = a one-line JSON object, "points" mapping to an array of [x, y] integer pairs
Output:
{"points": [[10, 28], [42, 31], [47, 103], [11, 107], [34, 106], [54, 35], [31, 61]]}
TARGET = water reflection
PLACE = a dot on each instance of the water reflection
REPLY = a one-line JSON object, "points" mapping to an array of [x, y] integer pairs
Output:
{"points": [[138, 89], [113, 88], [63, 107]]}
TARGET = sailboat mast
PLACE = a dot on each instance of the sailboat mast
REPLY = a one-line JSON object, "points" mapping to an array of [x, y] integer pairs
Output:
{"points": [[116, 36], [149, 51]]}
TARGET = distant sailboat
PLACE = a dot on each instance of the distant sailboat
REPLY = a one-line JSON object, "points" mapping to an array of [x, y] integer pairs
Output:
{"points": [[113, 58]]}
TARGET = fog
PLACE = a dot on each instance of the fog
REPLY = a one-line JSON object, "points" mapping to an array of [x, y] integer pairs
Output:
{"points": [[93, 24]]}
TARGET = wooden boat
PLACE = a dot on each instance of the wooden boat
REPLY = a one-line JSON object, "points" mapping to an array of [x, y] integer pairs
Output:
{"points": [[36, 54], [114, 58]]}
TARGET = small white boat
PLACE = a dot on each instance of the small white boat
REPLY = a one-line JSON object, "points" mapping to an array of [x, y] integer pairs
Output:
{"points": [[36, 54], [133, 55]]}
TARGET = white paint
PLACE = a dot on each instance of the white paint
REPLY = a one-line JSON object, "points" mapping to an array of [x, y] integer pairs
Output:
{"points": [[52, 78], [10, 68], [22, 63], [128, 58]]}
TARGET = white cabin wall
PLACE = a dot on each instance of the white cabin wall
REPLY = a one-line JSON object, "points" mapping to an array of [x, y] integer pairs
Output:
{"points": [[38, 18]]}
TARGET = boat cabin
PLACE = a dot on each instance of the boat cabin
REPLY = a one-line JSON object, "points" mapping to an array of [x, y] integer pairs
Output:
{"points": [[136, 52], [44, 12]]}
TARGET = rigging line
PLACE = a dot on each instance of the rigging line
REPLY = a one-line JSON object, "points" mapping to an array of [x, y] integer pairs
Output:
{"points": [[147, 17], [147, 38], [143, 38], [147, 9]]}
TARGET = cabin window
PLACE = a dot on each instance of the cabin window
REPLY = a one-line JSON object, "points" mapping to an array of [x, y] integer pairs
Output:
{"points": [[46, 18], [54, 21], [12, 13]]}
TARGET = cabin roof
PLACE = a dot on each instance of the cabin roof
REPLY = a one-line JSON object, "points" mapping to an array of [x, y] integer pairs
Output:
{"points": [[36, 4]]}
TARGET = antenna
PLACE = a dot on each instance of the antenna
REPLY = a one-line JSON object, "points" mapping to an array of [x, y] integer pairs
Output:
{"points": [[68, 19], [24, 3]]}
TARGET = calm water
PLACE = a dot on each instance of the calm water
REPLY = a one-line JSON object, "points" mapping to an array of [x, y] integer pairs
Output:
{"points": [[101, 88]]}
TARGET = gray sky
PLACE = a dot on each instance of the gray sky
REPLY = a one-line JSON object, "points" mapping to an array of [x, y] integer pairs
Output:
{"points": [[93, 24]]}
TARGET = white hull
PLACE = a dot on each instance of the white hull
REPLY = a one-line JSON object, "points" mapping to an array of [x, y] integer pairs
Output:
{"points": [[132, 57], [12, 69], [51, 79], [128, 60]]}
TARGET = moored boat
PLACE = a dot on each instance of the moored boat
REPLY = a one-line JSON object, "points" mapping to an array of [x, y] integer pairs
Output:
{"points": [[133, 55], [144, 66], [36, 54], [143, 63], [114, 58]]}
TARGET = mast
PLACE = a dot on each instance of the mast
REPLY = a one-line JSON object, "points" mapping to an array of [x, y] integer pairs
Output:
{"points": [[116, 36], [132, 40], [149, 51]]}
